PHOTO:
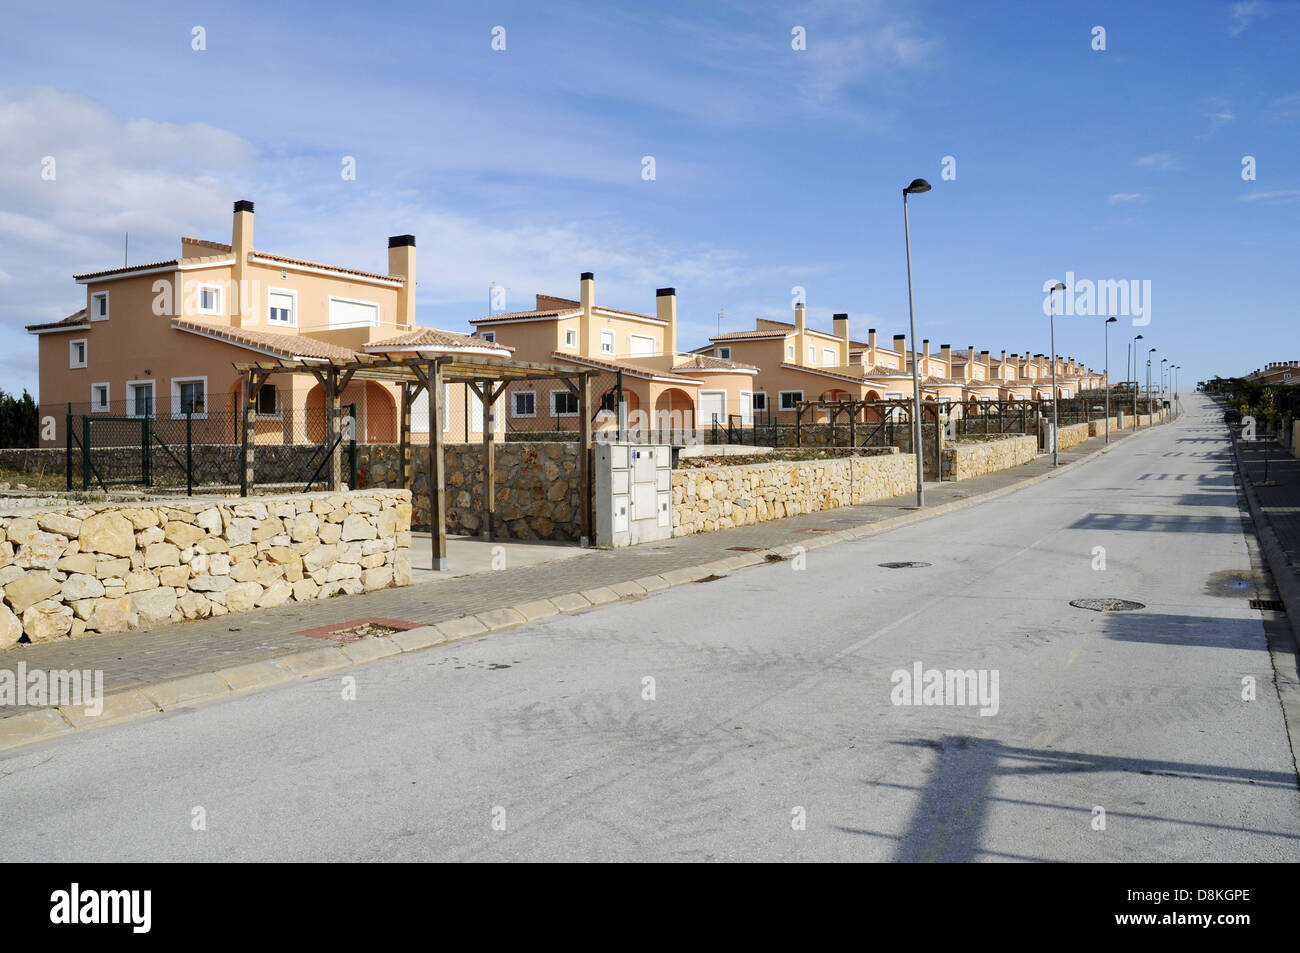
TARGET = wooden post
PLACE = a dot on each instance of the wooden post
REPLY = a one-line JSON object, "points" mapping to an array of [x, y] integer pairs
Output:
{"points": [[585, 461], [407, 396], [437, 478], [330, 383], [253, 381], [488, 394]]}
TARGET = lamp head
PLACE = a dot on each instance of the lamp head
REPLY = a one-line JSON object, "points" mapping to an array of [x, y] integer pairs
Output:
{"points": [[917, 187], [1111, 320], [1059, 286]]}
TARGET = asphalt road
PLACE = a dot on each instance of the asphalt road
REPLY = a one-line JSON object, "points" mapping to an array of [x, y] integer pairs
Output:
{"points": [[772, 703]]}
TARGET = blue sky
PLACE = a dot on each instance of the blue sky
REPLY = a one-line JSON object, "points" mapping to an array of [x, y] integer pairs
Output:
{"points": [[774, 167]]}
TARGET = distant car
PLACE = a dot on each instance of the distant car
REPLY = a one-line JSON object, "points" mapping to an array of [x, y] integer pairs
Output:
{"points": [[1232, 416]]}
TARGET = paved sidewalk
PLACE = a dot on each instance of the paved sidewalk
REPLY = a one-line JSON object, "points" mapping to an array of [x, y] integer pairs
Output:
{"points": [[146, 657], [1280, 501]]}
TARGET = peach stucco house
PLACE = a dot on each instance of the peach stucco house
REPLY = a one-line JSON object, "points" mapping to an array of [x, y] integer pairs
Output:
{"points": [[663, 389], [161, 339]]}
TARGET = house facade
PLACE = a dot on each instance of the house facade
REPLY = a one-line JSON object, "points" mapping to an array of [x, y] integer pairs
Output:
{"points": [[160, 340]]}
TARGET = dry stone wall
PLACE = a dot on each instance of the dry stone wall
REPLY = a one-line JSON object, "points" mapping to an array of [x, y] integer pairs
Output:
{"points": [[973, 458], [709, 499], [76, 569]]}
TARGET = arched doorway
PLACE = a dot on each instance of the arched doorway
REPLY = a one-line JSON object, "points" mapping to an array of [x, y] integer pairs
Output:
{"points": [[674, 410]]}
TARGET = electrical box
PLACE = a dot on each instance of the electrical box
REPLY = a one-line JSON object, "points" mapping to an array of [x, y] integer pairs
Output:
{"points": [[633, 486]]}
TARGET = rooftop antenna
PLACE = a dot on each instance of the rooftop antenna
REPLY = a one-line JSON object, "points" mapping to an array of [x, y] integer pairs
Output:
{"points": [[721, 314], [126, 248]]}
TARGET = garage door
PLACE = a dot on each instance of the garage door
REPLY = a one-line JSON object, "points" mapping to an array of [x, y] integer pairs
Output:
{"points": [[713, 404], [346, 313]]}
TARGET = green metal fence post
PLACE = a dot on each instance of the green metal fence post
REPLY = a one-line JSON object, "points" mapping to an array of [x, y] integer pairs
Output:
{"points": [[145, 476], [189, 450], [352, 447], [67, 461], [85, 451]]}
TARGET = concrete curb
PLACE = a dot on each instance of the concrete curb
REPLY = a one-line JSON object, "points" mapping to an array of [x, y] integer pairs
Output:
{"points": [[41, 724], [1285, 579]]}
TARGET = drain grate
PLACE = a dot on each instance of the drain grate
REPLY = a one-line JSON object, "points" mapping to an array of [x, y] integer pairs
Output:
{"points": [[742, 549], [1106, 605], [908, 565], [813, 530], [1272, 605]]}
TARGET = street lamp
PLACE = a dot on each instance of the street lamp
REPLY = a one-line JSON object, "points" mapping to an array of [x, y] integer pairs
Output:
{"points": [[1109, 322], [1051, 297], [1149, 414], [1134, 381], [917, 187], [1163, 362], [1177, 408]]}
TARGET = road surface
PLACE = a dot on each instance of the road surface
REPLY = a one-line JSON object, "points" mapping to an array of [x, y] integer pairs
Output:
{"points": [[769, 730]]}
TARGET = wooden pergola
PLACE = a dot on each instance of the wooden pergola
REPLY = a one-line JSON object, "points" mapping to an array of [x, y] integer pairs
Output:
{"points": [[412, 373]]}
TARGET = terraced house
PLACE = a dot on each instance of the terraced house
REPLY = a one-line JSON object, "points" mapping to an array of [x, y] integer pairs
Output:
{"points": [[162, 338], [664, 390]]}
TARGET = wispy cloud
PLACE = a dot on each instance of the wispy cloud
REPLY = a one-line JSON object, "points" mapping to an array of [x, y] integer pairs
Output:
{"points": [[1160, 162], [1276, 197], [1243, 14], [1125, 198], [1219, 113], [1285, 107]]}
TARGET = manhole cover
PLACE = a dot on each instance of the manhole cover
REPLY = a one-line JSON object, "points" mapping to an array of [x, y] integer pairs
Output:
{"points": [[1273, 605], [907, 565], [1106, 605], [808, 531]]}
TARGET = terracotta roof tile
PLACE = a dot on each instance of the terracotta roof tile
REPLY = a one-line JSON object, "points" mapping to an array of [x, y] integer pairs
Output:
{"points": [[510, 315], [703, 362], [639, 370], [434, 338], [740, 335], [316, 264], [77, 319], [271, 342]]}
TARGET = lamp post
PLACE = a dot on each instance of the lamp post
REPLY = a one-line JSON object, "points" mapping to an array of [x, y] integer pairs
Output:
{"points": [[1051, 297], [1163, 362], [1134, 381], [1177, 408], [1149, 414], [1109, 322], [917, 187]]}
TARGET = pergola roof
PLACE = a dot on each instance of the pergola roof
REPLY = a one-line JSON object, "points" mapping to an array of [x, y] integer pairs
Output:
{"points": [[397, 368]]}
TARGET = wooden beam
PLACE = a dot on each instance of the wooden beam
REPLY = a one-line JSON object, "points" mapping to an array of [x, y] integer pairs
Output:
{"points": [[406, 395], [253, 381]]}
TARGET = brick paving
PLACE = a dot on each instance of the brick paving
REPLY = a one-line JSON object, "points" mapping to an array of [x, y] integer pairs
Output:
{"points": [[143, 657]]}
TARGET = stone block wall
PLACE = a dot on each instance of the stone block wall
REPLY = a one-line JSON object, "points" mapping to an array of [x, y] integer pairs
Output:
{"points": [[1071, 435], [972, 458], [708, 499], [72, 570]]}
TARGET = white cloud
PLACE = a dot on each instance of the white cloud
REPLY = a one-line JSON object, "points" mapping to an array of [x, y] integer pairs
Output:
{"points": [[1160, 162], [1243, 14], [1276, 197], [1124, 198]]}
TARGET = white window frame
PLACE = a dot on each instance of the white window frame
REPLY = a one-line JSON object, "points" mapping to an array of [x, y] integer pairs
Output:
{"points": [[722, 419], [571, 337], [489, 336], [830, 357], [812, 355], [279, 408], [177, 412], [93, 296], [724, 353], [633, 338], [108, 398], [746, 408], [754, 408], [514, 407], [554, 411], [73, 364], [379, 311], [895, 413], [607, 334], [221, 299], [293, 314], [130, 397], [789, 352], [781, 399]]}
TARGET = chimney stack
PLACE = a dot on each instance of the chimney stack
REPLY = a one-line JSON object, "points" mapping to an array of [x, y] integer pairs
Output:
{"points": [[800, 355], [945, 355], [666, 311], [241, 243], [900, 345], [841, 325], [401, 262], [587, 332]]}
